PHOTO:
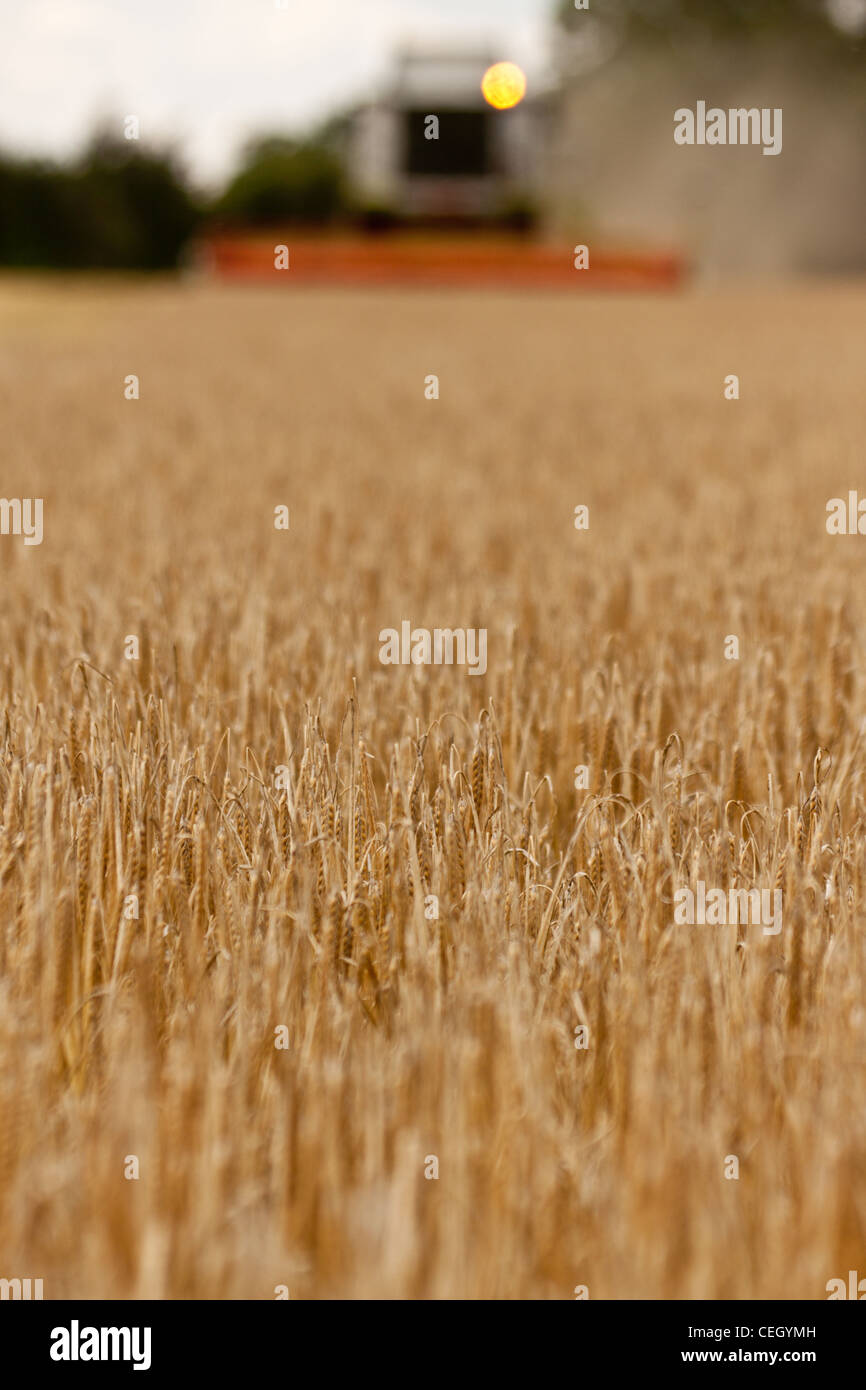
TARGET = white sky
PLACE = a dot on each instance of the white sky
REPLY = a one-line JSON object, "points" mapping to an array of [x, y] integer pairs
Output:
{"points": [[209, 73]]}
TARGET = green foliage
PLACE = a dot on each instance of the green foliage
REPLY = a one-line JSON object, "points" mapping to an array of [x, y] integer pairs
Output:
{"points": [[124, 207], [118, 207], [282, 180]]}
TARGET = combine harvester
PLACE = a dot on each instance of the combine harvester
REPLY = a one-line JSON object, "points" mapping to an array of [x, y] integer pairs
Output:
{"points": [[447, 170]]}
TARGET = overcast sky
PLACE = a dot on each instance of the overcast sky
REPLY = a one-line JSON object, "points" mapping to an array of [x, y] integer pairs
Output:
{"points": [[209, 73]]}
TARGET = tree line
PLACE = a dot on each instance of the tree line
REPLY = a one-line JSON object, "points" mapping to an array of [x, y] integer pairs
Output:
{"points": [[121, 205]]}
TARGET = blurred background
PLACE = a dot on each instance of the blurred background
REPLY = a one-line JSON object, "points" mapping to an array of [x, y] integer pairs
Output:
{"points": [[278, 115]]}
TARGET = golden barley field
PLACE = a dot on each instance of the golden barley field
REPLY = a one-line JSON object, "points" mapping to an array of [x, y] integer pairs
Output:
{"points": [[285, 813]]}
